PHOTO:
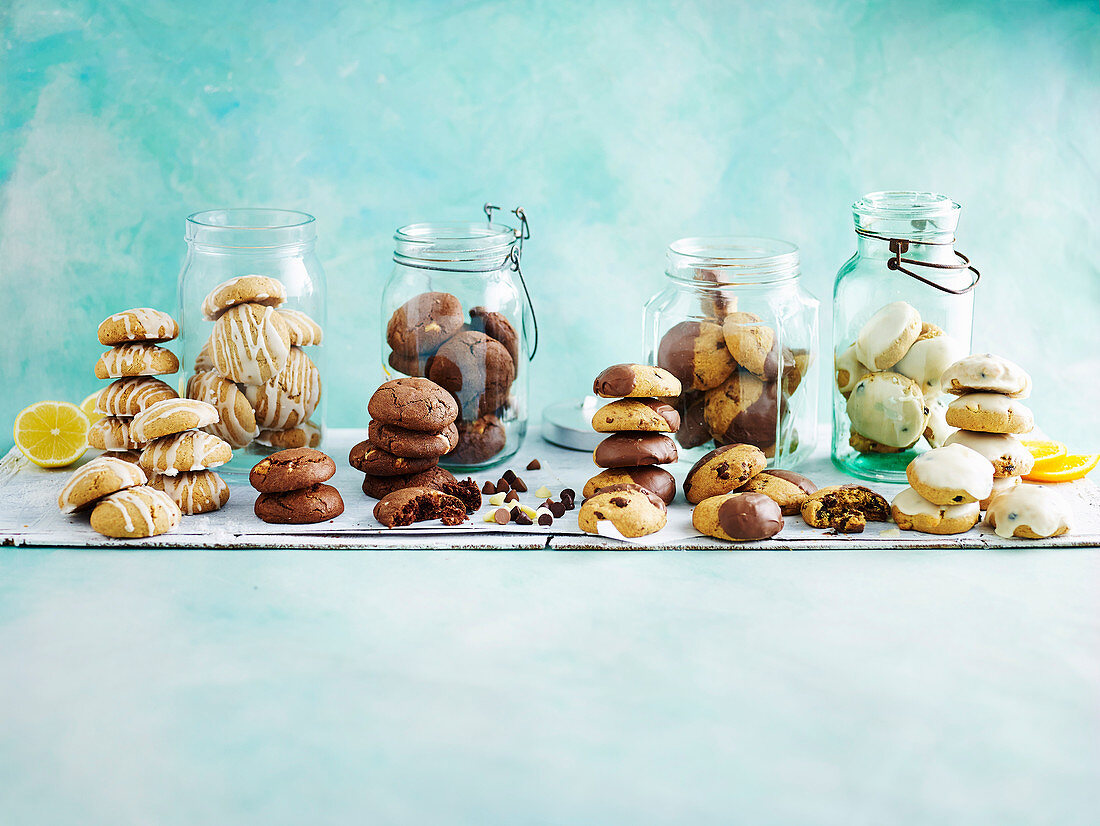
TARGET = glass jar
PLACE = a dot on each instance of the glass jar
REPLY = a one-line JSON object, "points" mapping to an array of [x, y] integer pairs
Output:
{"points": [[905, 303], [259, 413], [735, 325], [455, 310]]}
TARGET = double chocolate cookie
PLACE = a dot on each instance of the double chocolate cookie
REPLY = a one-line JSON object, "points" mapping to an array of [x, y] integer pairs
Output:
{"points": [[414, 404], [423, 323], [476, 369], [404, 507], [292, 489]]}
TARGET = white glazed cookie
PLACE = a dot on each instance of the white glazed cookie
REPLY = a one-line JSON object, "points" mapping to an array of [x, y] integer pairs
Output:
{"points": [[1000, 485], [990, 413], [190, 450], [1028, 512], [304, 331], [306, 434], [171, 416], [251, 344], [244, 289], [931, 354], [951, 475], [136, 360], [199, 491], [989, 373], [138, 324], [135, 513], [936, 429], [290, 397], [913, 512], [128, 397], [849, 370], [112, 433], [1005, 451], [888, 408], [205, 359], [236, 418], [99, 478], [888, 335]]}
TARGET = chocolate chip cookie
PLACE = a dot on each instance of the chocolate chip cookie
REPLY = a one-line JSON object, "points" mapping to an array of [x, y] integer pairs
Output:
{"points": [[723, 470], [743, 409], [378, 487], [655, 479], [844, 508], [632, 509], [738, 517], [695, 352], [785, 487], [650, 415], [476, 370]]}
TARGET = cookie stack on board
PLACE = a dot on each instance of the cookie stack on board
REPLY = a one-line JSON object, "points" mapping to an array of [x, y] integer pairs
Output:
{"points": [[292, 489], [122, 505]]}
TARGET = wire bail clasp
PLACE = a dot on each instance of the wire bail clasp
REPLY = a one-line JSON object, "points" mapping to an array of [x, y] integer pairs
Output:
{"points": [[900, 246], [521, 234]]}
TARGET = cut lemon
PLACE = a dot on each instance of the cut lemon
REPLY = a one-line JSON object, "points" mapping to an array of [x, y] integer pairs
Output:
{"points": [[1044, 448], [51, 434], [88, 406], [1063, 468]]}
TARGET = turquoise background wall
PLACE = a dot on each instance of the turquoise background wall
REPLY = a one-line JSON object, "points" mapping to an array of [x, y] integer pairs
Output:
{"points": [[618, 126]]}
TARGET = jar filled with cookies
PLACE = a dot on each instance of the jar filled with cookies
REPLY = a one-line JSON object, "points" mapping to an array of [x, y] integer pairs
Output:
{"points": [[456, 311], [252, 316], [903, 310], [737, 328]]}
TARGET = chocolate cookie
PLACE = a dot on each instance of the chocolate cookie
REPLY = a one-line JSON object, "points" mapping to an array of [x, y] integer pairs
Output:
{"points": [[738, 517], [416, 365], [743, 409], [636, 381], [404, 507], [844, 508], [693, 429], [723, 470], [437, 478], [496, 325], [695, 352], [650, 415], [634, 449], [477, 371], [299, 467], [478, 441], [785, 487], [655, 479], [412, 444], [413, 403], [370, 459], [424, 322], [317, 503]]}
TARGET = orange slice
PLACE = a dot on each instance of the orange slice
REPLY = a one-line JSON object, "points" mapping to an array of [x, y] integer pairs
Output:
{"points": [[51, 434], [1044, 448], [1063, 468]]}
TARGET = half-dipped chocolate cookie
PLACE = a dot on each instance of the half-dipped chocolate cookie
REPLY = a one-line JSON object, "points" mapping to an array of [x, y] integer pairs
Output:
{"points": [[655, 479], [635, 381], [649, 415], [633, 449], [738, 517]]}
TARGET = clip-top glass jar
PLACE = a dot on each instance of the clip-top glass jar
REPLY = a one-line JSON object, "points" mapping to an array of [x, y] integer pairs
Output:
{"points": [[456, 310], [903, 310], [738, 330], [252, 314]]}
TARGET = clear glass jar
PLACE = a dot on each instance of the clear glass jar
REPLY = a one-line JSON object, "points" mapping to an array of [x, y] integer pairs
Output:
{"points": [[455, 310], [905, 261], [223, 244], [735, 325]]}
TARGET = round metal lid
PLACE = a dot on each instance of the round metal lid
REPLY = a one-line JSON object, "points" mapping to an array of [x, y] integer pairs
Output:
{"points": [[569, 424]]}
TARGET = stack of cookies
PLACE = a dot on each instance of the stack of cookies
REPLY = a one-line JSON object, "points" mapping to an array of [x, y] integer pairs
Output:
{"points": [[122, 505], [133, 361], [631, 493], [946, 486], [292, 489]]}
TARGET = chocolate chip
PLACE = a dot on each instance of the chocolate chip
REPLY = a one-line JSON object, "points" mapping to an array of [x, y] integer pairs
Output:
{"points": [[512, 496], [502, 516], [519, 484], [515, 511], [488, 489], [510, 475], [502, 486], [569, 498], [557, 508], [523, 519], [546, 520], [534, 465], [548, 503]]}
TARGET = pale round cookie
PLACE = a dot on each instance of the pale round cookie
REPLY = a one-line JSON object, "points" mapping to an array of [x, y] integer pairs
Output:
{"points": [[636, 381], [288, 398], [136, 360], [990, 413], [171, 416], [250, 343], [189, 450], [888, 408], [305, 435], [131, 456], [649, 415], [1005, 451], [632, 509], [100, 477], [112, 433], [750, 342], [695, 353], [861, 444], [194, 491], [138, 324], [128, 397], [936, 429], [738, 517], [1000, 485], [848, 370], [135, 513], [951, 475], [1028, 512], [932, 353], [913, 512], [888, 335], [723, 470], [236, 418], [985, 372], [304, 331], [244, 289]]}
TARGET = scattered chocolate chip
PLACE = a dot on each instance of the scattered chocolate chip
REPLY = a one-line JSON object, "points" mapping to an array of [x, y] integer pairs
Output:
{"points": [[502, 516], [534, 464], [523, 519], [488, 489], [515, 512], [510, 475], [569, 498], [557, 508], [502, 486], [548, 503], [546, 520], [519, 484], [512, 496]]}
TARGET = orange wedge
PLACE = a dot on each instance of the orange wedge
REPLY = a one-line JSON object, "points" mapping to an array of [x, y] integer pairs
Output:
{"points": [[1044, 448], [1063, 468]]}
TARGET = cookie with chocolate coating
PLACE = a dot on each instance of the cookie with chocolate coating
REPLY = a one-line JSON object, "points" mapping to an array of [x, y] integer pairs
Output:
{"points": [[693, 429], [413, 403], [650, 415], [743, 409], [654, 479], [723, 470], [423, 323], [635, 381], [695, 353], [750, 341], [738, 517], [632, 509], [632, 449]]}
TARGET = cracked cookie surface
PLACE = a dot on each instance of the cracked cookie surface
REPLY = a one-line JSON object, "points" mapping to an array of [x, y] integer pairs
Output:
{"points": [[414, 404]]}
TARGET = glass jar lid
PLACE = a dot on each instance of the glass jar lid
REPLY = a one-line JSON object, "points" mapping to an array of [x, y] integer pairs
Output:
{"points": [[732, 260], [462, 243]]}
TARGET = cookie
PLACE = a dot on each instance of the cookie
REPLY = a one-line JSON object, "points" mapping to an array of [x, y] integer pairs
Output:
{"points": [[695, 353], [190, 450], [412, 444], [196, 491], [1028, 512], [138, 324], [986, 373], [112, 433], [136, 360], [844, 508], [989, 413], [936, 429], [98, 478], [888, 335], [135, 513], [784, 487], [714, 301], [413, 403], [848, 370], [305, 506], [305, 435], [205, 359], [951, 475], [862, 444], [913, 512], [377, 487], [743, 409], [723, 470], [1005, 451], [654, 479], [888, 408], [478, 441], [649, 415], [497, 326], [693, 430], [292, 469], [635, 381], [367, 458], [423, 323], [289, 398], [171, 416], [304, 331], [738, 517], [751, 343], [1000, 485], [634, 449], [409, 505], [796, 364], [133, 457], [250, 343], [416, 365], [244, 289], [476, 370], [632, 509], [128, 397], [236, 419], [931, 354]]}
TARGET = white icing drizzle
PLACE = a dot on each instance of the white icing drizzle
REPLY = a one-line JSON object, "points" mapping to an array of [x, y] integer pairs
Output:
{"points": [[122, 395], [912, 503], [190, 450], [147, 424], [101, 473], [140, 504], [217, 299], [247, 345], [1000, 485], [997, 404], [1031, 506], [237, 422], [927, 359], [986, 371], [194, 491], [883, 330], [143, 323], [131, 360], [304, 331], [112, 433], [289, 398], [954, 467], [887, 408]]}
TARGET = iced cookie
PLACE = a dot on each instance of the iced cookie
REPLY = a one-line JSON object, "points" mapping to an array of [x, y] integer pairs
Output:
{"points": [[784, 487], [650, 415], [205, 359], [136, 360], [888, 408], [862, 444], [413, 403], [112, 433], [888, 335], [632, 509], [655, 479], [1000, 485], [423, 323], [695, 353], [128, 397], [844, 508], [986, 373], [743, 409], [100, 477], [477, 371], [750, 342], [408, 505], [306, 506], [189, 450], [291, 470], [412, 444], [1006, 452], [304, 331], [913, 512], [723, 470], [931, 354], [1028, 512], [478, 441], [289, 398], [367, 458], [636, 381], [496, 326], [138, 324], [305, 435], [849, 370], [244, 289], [171, 416], [738, 517], [990, 413], [936, 429], [236, 419], [634, 449], [951, 475], [135, 513], [198, 491], [250, 343]]}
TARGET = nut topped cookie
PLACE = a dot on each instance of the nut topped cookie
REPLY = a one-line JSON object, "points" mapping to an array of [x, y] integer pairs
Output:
{"points": [[250, 343], [633, 510], [723, 470], [136, 360], [650, 415], [172, 416], [951, 475], [990, 413], [244, 289], [635, 381], [100, 477], [413, 403], [423, 323], [888, 335], [695, 352], [988, 373], [138, 324]]}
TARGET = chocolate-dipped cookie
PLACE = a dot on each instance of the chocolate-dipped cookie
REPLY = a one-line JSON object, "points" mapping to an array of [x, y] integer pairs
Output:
{"points": [[723, 470], [632, 509], [413, 403], [695, 352], [785, 487], [636, 381], [317, 503], [738, 517], [650, 415], [743, 409], [693, 429], [655, 479], [634, 449], [424, 322], [291, 469]]}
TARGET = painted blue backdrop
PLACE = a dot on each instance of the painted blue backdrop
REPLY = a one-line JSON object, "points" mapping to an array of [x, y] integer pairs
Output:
{"points": [[619, 126]]}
